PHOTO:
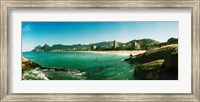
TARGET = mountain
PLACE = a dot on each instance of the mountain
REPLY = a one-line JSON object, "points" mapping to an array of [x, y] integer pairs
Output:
{"points": [[76, 47], [170, 41], [144, 44], [141, 44]]}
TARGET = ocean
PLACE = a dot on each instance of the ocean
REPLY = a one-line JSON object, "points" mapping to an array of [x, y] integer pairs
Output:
{"points": [[83, 65]]}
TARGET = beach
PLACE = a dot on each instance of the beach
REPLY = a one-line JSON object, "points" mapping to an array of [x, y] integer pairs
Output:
{"points": [[126, 53]]}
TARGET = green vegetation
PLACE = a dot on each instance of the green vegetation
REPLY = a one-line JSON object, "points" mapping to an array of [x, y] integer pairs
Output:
{"points": [[170, 41]]}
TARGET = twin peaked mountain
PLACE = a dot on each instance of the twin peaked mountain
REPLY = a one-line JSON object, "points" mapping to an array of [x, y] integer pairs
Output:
{"points": [[142, 44]]}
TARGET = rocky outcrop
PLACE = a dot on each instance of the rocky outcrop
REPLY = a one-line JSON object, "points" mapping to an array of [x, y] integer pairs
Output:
{"points": [[31, 70], [34, 71], [171, 61], [149, 70], [26, 64], [160, 63], [34, 74], [155, 54]]}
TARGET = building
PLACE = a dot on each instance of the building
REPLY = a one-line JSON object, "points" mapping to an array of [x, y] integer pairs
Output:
{"points": [[136, 45], [115, 44], [93, 47]]}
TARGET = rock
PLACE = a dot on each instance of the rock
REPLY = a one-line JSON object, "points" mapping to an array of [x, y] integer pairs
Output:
{"points": [[26, 64], [128, 59], [171, 61], [24, 59], [159, 64], [33, 74], [155, 54], [31, 70], [149, 71], [155, 70]]}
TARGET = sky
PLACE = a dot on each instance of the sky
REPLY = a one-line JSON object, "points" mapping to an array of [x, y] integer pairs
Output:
{"points": [[69, 33]]}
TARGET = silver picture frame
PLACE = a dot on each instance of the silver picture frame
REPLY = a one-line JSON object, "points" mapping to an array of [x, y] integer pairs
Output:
{"points": [[7, 5]]}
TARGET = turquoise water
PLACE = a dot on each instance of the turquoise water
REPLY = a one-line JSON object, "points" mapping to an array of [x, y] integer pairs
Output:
{"points": [[93, 66]]}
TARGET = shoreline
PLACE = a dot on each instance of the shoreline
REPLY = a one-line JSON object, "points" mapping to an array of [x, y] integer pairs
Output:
{"points": [[122, 52]]}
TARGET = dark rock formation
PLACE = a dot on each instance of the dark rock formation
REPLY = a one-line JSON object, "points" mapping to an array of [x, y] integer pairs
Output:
{"points": [[155, 54], [160, 63], [149, 70], [171, 61]]}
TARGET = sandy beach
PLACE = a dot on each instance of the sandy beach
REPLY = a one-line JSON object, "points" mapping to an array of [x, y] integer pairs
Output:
{"points": [[133, 52], [121, 52]]}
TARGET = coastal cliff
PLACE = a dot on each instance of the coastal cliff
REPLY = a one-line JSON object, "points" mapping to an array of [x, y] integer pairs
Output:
{"points": [[157, 64]]}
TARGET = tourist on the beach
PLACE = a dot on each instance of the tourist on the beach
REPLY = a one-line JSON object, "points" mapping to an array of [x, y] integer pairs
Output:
{"points": [[131, 55]]}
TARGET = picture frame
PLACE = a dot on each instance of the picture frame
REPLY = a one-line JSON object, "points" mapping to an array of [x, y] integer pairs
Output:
{"points": [[7, 5]]}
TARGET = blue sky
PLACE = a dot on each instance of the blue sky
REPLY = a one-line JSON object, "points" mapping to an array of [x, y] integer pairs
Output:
{"points": [[68, 33]]}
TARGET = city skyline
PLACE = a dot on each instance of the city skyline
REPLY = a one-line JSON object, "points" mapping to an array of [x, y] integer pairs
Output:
{"points": [[69, 33]]}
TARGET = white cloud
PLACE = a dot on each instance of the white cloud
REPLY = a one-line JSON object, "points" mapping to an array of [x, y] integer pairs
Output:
{"points": [[26, 28]]}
